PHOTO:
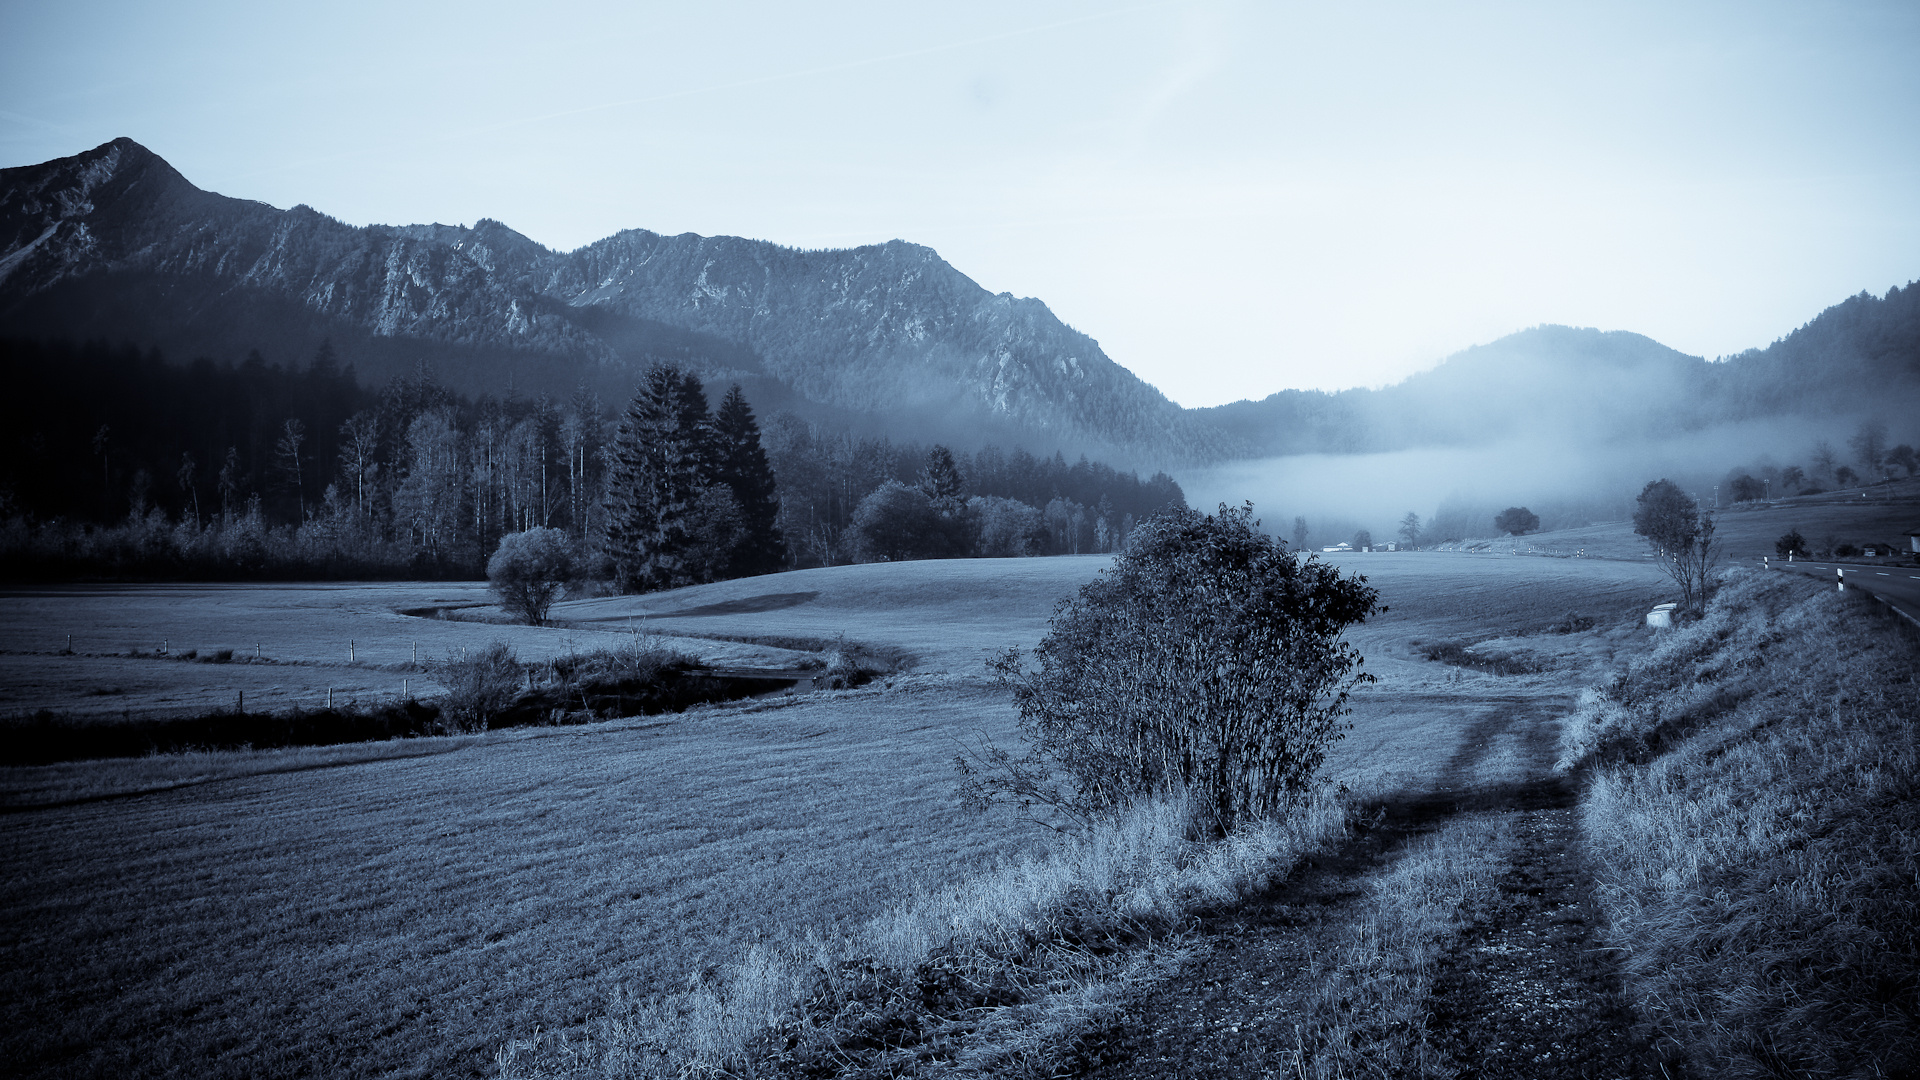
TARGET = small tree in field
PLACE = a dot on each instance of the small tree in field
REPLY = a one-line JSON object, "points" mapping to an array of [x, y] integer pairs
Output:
{"points": [[1410, 530], [1206, 662], [1681, 537], [1517, 520], [1791, 544], [530, 570]]}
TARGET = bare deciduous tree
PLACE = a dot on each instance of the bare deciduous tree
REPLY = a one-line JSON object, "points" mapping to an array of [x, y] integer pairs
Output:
{"points": [[1869, 446], [286, 449], [1681, 536]]}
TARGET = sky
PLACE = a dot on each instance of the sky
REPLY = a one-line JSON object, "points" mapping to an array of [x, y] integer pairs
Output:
{"points": [[1233, 198]]}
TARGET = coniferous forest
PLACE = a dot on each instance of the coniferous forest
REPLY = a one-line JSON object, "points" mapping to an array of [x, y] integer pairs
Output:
{"points": [[121, 464]]}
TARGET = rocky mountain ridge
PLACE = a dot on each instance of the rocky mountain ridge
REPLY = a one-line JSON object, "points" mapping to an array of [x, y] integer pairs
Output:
{"points": [[117, 237], [114, 243]]}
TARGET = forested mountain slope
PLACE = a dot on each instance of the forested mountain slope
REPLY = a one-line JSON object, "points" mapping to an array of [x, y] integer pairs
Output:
{"points": [[1574, 387], [116, 243]]}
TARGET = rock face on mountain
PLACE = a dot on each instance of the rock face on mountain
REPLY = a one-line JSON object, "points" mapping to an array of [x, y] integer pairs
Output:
{"points": [[116, 243]]}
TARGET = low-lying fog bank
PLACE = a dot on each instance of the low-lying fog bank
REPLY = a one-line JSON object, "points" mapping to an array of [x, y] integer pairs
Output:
{"points": [[1456, 491]]}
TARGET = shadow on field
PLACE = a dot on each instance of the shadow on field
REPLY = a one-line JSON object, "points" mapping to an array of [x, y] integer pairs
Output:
{"points": [[746, 605]]}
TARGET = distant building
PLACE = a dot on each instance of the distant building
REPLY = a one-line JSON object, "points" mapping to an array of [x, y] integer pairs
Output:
{"points": [[1341, 546], [1913, 542]]}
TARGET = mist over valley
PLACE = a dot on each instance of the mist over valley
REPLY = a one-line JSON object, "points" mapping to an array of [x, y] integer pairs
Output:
{"points": [[113, 245]]}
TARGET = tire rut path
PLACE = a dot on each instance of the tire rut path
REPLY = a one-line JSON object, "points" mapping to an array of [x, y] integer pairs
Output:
{"points": [[1525, 989]]}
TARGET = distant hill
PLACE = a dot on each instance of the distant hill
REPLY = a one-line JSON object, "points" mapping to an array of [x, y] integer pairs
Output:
{"points": [[115, 244], [1569, 386]]}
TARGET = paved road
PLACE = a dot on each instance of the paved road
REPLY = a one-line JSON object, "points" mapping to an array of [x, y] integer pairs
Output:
{"points": [[1898, 585]]}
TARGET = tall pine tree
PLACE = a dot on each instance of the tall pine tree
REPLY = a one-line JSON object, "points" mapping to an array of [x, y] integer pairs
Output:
{"points": [[740, 462], [660, 461]]}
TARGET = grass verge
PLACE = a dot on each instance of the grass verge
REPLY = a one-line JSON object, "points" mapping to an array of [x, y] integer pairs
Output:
{"points": [[976, 978], [1753, 813]]}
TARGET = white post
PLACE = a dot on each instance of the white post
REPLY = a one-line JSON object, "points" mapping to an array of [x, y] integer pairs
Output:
{"points": [[1841, 572], [349, 652]]}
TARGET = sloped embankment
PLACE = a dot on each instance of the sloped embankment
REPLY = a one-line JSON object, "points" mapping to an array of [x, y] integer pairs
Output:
{"points": [[1753, 818]]}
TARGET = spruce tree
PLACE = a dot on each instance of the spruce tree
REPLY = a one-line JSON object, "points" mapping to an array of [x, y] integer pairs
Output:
{"points": [[940, 476], [740, 462], [659, 469]]}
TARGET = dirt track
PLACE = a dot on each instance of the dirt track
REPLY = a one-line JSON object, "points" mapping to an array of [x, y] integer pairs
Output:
{"points": [[1523, 990]]}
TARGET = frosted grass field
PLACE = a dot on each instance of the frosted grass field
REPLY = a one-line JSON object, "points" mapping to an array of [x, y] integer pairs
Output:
{"points": [[291, 644], [398, 915]]}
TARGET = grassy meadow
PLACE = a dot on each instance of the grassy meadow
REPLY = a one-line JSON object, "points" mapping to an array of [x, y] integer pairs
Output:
{"points": [[1881, 514], [361, 912], [156, 649]]}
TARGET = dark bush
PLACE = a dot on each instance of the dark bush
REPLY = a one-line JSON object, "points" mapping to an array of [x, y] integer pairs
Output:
{"points": [[1206, 661]]}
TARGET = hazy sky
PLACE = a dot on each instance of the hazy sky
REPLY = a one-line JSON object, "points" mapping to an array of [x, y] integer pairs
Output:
{"points": [[1233, 198]]}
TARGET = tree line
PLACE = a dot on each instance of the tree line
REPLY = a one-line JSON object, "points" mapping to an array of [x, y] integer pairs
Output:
{"points": [[120, 463], [1824, 468]]}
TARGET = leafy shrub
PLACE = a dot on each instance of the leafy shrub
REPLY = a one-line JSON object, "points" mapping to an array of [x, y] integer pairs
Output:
{"points": [[1206, 661], [1006, 528], [530, 570], [1517, 520], [480, 685], [897, 522]]}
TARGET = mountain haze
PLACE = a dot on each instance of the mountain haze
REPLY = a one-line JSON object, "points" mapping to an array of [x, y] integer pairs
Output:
{"points": [[115, 244]]}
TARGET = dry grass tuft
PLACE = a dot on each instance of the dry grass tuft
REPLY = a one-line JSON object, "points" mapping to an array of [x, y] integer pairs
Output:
{"points": [[1754, 815]]}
